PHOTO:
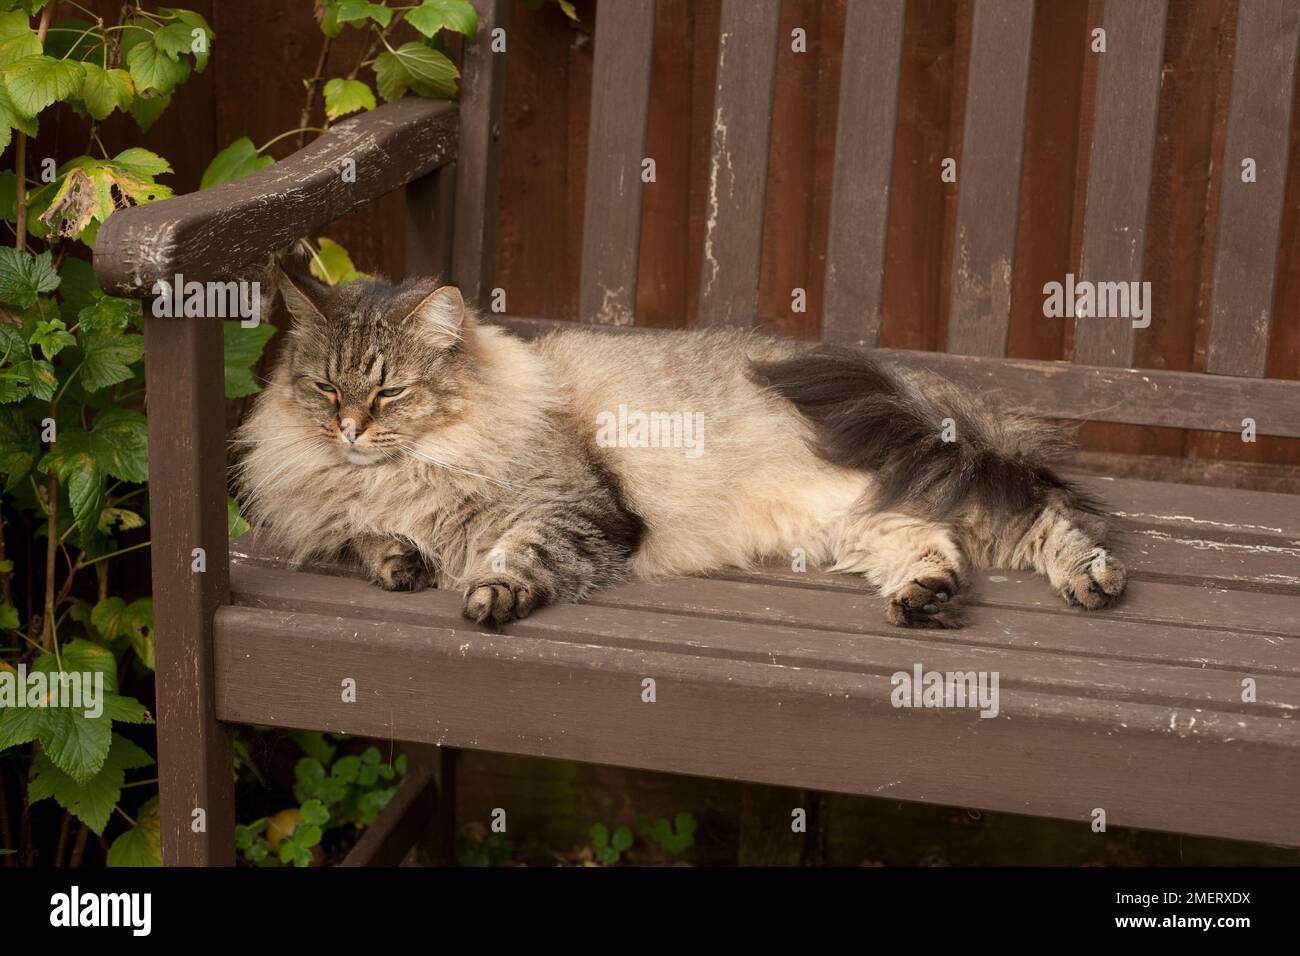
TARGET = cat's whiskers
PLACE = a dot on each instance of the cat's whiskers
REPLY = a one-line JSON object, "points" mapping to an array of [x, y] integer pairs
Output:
{"points": [[429, 459]]}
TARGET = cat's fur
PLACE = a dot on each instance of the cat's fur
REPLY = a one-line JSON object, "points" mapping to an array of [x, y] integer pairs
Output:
{"points": [[485, 474]]}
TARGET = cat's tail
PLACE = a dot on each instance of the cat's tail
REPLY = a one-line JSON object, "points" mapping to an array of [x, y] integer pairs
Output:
{"points": [[932, 450]]}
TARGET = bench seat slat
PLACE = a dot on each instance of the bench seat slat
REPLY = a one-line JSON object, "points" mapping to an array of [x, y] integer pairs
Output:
{"points": [[1000, 639], [564, 693]]}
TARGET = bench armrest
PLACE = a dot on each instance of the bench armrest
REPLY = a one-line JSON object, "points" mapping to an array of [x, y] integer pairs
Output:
{"points": [[218, 233]]}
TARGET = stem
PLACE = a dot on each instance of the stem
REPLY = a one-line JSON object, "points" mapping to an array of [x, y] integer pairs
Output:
{"points": [[65, 831], [79, 847], [307, 129], [20, 189], [51, 552], [112, 554], [316, 77], [370, 50]]}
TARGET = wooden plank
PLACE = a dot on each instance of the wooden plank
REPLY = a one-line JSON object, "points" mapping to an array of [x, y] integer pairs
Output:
{"points": [[871, 646], [864, 156], [225, 232], [765, 722], [429, 210], [1250, 214], [187, 502], [1084, 393], [988, 177], [742, 122], [1119, 171], [620, 108], [767, 833], [1132, 396], [478, 166]]}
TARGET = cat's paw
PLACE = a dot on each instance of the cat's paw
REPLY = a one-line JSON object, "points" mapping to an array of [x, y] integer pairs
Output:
{"points": [[404, 570], [499, 600], [1096, 585], [927, 602]]}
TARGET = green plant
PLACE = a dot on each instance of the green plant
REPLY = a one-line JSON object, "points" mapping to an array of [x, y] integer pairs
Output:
{"points": [[675, 837], [332, 793], [610, 847]]}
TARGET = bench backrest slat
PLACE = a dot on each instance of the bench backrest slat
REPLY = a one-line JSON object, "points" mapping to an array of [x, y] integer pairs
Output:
{"points": [[620, 105], [1250, 213], [478, 164], [988, 177], [737, 177], [864, 158], [1119, 170]]}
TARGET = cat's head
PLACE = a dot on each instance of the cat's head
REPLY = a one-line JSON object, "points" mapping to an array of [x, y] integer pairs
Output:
{"points": [[375, 366]]}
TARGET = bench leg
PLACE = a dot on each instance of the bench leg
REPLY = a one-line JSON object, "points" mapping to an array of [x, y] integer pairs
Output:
{"points": [[187, 472]]}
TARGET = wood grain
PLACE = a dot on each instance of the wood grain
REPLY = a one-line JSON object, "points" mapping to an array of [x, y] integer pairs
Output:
{"points": [[620, 102], [742, 122], [864, 154], [219, 233], [1119, 172], [989, 177], [1259, 116]]}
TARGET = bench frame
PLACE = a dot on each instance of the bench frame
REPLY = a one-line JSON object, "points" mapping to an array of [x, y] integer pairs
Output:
{"points": [[447, 158]]}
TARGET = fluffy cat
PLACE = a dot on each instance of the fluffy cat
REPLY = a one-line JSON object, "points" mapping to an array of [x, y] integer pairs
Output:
{"points": [[438, 450]]}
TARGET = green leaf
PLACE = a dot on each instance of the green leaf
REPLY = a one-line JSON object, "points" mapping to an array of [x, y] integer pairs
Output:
{"points": [[154, 69], [75, 463], [9, 616], [106, 90], [11, 118], [18, 445], [358, 11], [121, 444], [115, 618], [142, 163], [91, 801], [236, 161], [105, 313], [314, 813], [434, 15], [347, 96], [142, 844], [146, 109], [24, 277], [192, 22], [52, 336], [332, 265], [235, 523], [108, 357], [622, 839], [243, 347], [17, 38], [34, 82], [418, 67]]}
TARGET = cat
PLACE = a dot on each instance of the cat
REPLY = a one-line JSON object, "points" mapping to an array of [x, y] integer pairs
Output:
{"points": [[433, 449]]}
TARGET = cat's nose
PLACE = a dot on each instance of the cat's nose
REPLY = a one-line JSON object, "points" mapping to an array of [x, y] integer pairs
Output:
{"points": [[349, 430]]}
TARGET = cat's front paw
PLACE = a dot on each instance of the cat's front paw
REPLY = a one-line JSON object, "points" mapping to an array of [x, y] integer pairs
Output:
{"points": [[1098, 584], [499, 600], [926, 602], [404, 571]]}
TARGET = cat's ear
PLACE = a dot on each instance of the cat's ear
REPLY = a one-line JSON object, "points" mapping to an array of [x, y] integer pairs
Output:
{"points": [[298, 293], [441, 313]]}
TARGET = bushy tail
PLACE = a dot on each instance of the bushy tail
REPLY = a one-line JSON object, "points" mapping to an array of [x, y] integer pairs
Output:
{"points": [[933, 451]]}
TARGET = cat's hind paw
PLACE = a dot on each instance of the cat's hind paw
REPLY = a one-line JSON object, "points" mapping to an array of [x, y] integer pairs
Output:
{"points": [[404, 571], [926, 602]]}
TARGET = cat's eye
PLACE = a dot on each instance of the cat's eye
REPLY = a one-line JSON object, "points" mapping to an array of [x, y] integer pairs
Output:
{"points": [[326, 388], [391, 392]]}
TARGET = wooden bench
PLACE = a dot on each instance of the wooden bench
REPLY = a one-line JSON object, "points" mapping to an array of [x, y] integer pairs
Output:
{"points": [[775, 677]]}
